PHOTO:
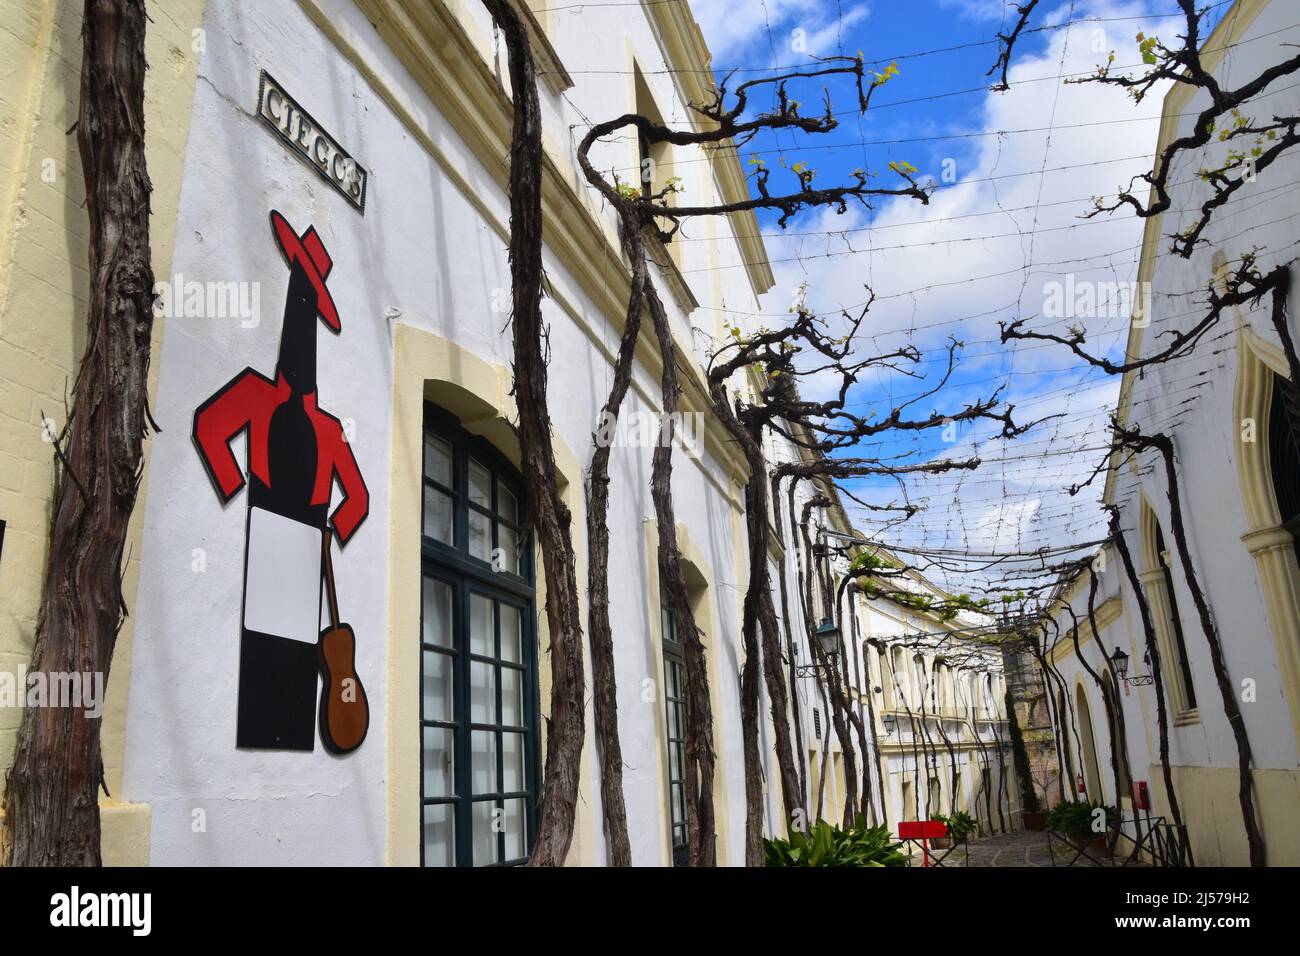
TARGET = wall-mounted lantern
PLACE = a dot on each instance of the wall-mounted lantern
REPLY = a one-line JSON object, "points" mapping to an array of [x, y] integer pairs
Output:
{"points": [[1120, 660], [827, 637]]}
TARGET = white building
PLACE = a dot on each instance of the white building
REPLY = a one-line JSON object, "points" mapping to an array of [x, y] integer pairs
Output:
{"points": [[1237, 468], [376, 133]]}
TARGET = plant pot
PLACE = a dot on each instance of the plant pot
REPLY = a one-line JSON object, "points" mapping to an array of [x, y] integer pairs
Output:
{"points": [[1034, 819], [1095, 846], [940, 843]]}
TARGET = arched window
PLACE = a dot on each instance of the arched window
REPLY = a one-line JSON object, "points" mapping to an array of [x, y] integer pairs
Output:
{"points": [[937, 683], [478, 655], [1158, 582], [1284, 457], [897, 678], [1267, 462], [675, 706], [1182, 666]]}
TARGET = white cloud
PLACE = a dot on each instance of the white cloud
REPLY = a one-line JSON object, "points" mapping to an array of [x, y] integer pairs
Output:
{"points": [[764, 31], [1001, 10], [987, 248]]}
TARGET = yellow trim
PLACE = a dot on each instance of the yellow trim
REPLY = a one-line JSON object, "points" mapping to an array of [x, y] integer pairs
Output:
{"points": [[1209, 798], [705, 611], [1108, 612], [478, 393]]}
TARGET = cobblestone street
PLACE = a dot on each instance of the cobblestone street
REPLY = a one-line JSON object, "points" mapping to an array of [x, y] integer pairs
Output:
{"points": [[1021, 848]]}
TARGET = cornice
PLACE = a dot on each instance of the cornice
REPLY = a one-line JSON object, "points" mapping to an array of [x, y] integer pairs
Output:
{"points": [[684, 47], [433, 46]]}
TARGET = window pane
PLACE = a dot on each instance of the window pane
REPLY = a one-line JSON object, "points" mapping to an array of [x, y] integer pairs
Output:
{"points": [[485, 837], [437, 460], [439, 834], [513, 821], [507, 505], [438, 762], [480, 626], [437, 515], [512, 700], [437, 612], [483, 762], [508, 542], [480, 536], [510, 637], [438, 694], [482, 693], [512, 762], [480, 484]]}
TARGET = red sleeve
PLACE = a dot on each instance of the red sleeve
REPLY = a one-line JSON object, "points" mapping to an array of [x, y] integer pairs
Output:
{"points": [[337, 461], [356, 497], [221, 418]]}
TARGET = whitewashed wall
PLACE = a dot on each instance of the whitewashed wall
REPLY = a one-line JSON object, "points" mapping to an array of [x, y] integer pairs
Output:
{"points": [[1192, 398], [421, 255]]}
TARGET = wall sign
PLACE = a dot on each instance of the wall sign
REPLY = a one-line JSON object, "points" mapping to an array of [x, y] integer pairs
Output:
{"points": [[296, 453], [308, 140]]}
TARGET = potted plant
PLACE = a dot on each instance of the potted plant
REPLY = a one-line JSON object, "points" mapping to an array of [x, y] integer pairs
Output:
{"points": [[1033, 815], [826, 845], [1082, 825], [960, 826]]}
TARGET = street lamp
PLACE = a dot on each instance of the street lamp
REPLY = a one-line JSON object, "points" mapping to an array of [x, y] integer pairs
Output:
{"points": [[827, 637], [1120, 660], [889, 720]]}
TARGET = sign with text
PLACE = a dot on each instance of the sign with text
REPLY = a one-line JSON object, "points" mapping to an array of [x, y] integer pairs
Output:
{"points": [[308, 139]]}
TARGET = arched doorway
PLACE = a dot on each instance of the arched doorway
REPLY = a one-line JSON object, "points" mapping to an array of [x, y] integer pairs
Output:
{"points": [[1118, 743], [1087, 743]]}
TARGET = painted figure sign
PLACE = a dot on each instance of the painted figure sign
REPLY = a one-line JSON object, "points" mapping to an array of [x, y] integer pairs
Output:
{"points": [[296, 453]]}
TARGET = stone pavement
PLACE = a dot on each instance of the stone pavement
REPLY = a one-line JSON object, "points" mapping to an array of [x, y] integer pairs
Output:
{"points": [[1020, 848]]}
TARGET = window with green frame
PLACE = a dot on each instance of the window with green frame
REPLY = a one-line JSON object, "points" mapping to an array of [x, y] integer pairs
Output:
{"points": [[478, 657], [675, 733]]}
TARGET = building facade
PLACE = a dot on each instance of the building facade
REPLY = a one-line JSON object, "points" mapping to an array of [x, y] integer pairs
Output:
{"points": [[332, 355], [1236, 453]]}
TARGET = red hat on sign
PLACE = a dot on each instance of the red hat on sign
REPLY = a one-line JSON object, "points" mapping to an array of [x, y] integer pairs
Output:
{"points": [[310, 251]]}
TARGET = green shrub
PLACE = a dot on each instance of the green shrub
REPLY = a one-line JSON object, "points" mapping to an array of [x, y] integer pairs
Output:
{"points": [[1074, 817], [960, 824], [826, 845]]}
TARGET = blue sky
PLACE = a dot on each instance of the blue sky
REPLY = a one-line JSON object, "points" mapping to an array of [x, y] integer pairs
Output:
{"points": [[1001, 231]]}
